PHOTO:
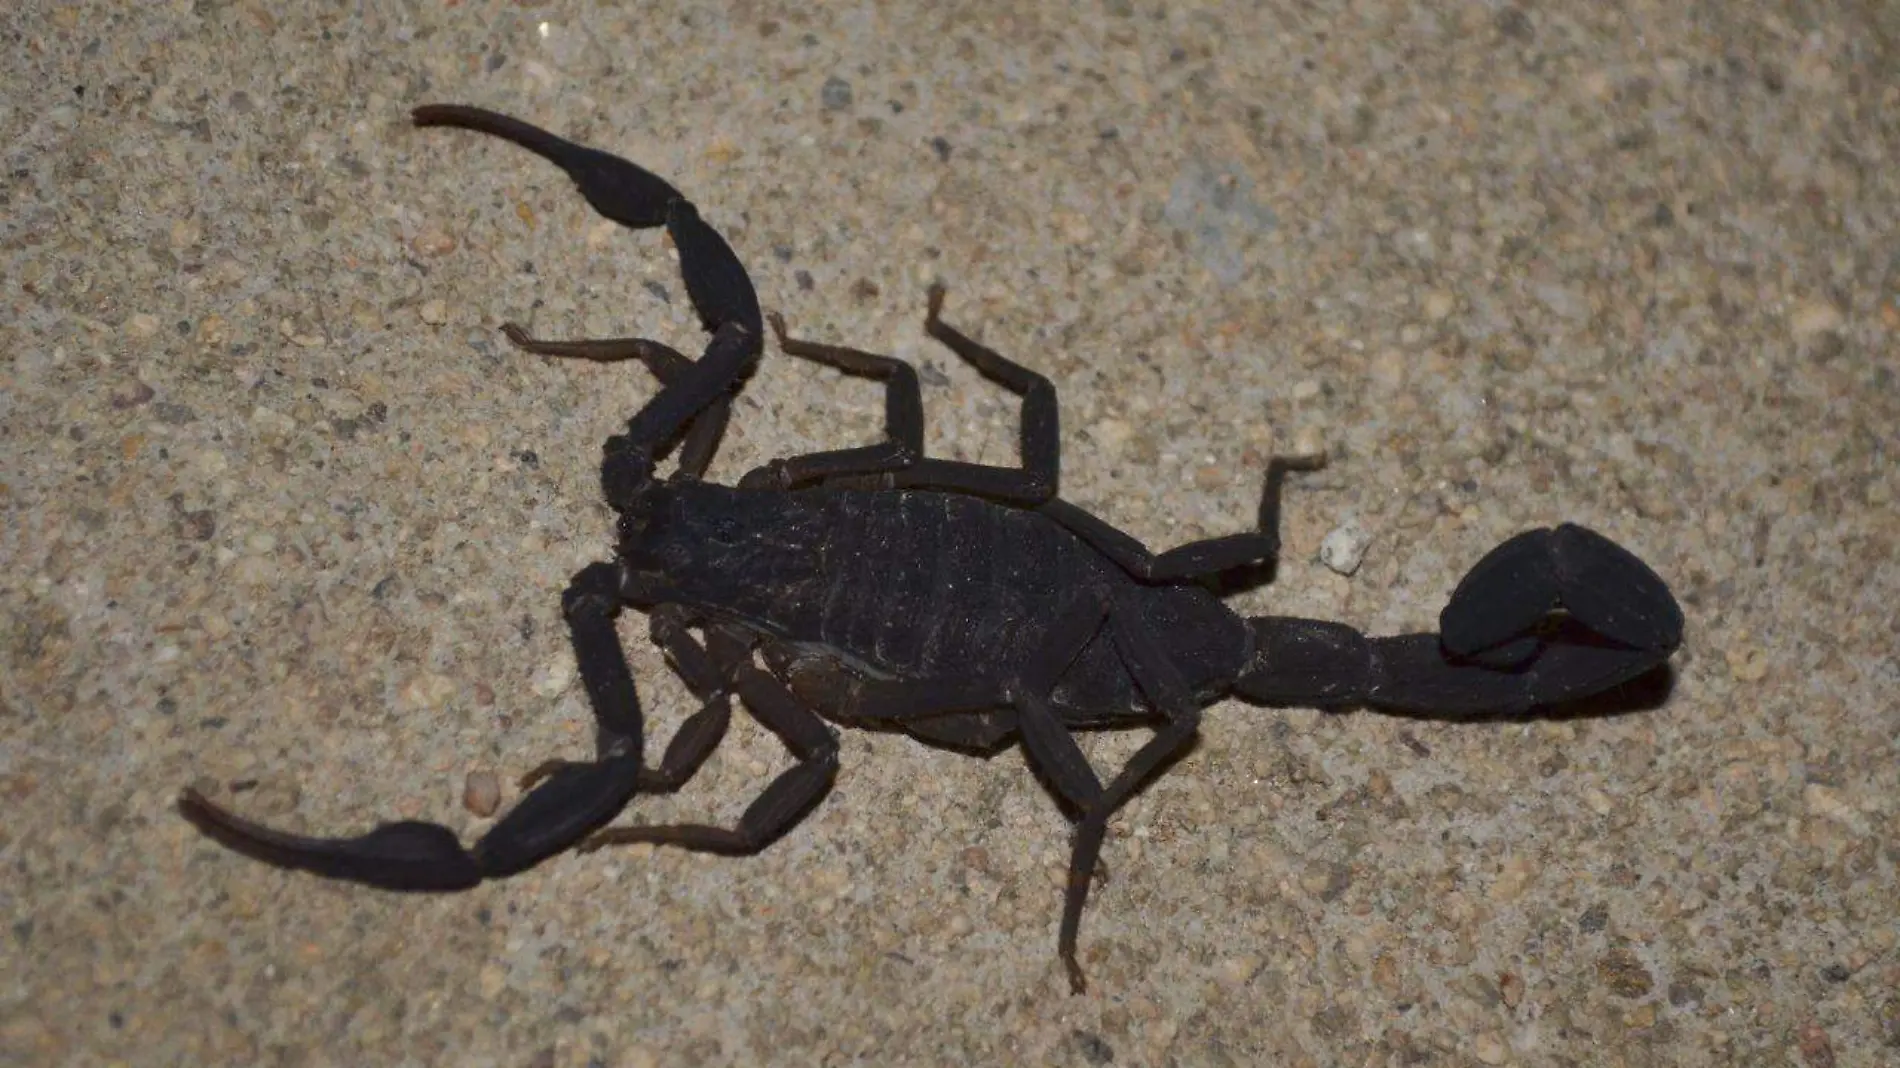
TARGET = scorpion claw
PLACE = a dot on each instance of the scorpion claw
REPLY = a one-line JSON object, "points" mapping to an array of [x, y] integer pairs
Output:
{"points": [[622, 191], [568, 801], [409, 855]]}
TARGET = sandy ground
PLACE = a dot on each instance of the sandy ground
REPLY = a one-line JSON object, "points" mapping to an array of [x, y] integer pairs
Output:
{"points": [[285, 517]]}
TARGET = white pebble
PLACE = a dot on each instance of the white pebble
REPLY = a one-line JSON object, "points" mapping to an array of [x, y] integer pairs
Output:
{"points": [[1489, 1048], [553, 678], [481, 793], [426, 690], [1814, 317], [1345, 548]]}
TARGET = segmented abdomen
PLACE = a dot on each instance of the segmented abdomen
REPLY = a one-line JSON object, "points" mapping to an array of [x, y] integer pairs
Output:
{"points": [[924, 585]]}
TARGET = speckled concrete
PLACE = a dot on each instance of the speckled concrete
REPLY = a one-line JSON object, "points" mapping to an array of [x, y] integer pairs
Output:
{"points": [[286, 518]]}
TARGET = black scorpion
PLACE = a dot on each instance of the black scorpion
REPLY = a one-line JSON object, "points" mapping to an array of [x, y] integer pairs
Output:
{"points": [[964, 604]]}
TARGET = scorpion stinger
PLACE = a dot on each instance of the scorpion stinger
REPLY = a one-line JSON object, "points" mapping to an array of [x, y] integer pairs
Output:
{"points": [[1547, 616]]}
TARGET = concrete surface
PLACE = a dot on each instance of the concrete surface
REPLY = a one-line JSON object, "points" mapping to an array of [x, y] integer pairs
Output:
{"points": [[285, 517]]}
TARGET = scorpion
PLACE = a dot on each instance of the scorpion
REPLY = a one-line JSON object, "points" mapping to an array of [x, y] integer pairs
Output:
{"points": [[964, 604]]}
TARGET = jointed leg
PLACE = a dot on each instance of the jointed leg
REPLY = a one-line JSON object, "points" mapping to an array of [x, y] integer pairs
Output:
{"points": [[667, 365], [1041, 435], [903, 419], [698, 395], [1053, 747], [900, 462], [785, 799], [703, 730], [1197, 558]]}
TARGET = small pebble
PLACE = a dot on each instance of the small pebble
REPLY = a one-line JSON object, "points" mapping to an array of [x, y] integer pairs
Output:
{"points": [[1489, 1048], [213, 330], [434, 312], [1826, 802], [1814, 317], [427, 690], [253, 571], [271, 423], [490, 981], [836, 94], [1747, 663], [1623, 973], [1513, 878], [131, 395], [432, 243], [1111, 433], [186, 233], [1511, 989], [1388, 369], [1309, 444], [1816, 1050], [553, 678], [301, 338], [1236, 971], [481, 793], [1345, 548]]}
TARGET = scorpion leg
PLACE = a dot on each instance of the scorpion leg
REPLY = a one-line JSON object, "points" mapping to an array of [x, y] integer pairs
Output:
{"points": [[903, 419], [1053, 748], [1168, 693], [1548, 616], [569, 801], [1196, 559], [899, 462], [627, 466], [970, 714], [1041, 435], [702, 731], [786, 799], [705, 430]]}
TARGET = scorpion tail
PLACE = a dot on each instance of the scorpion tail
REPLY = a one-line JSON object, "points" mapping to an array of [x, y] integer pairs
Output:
{"points": [[1548, 616]]}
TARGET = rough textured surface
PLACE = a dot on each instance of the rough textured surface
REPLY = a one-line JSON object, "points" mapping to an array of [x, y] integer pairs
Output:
{"points": [[284, 516]]}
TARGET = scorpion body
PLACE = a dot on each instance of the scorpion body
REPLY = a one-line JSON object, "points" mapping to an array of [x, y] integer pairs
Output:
{"points": [[919, 584], [965, 604]]}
